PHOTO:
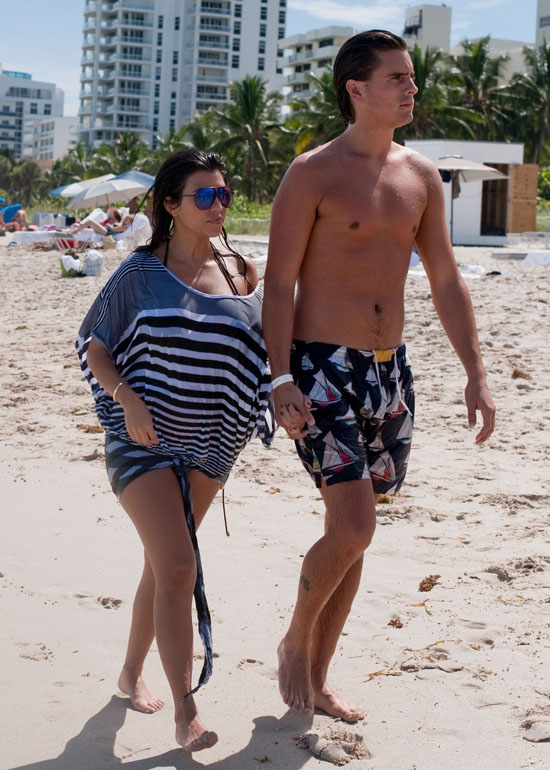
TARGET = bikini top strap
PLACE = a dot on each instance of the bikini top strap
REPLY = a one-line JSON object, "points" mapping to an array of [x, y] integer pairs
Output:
{"points": [[223, 268]]}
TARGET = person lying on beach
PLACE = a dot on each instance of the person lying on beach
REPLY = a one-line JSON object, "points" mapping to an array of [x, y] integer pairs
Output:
{"points": [[173, 350], [112, 220], [19, 222], [343, 225]]}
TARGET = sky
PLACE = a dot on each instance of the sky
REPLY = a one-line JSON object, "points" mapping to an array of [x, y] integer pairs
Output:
{"points": [[48, 44]]}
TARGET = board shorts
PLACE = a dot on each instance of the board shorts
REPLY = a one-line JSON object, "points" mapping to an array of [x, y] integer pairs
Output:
{"points": [[363, 406]]}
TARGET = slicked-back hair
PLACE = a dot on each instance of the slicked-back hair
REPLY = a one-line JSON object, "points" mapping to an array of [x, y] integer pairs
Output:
{"points": [[357, 59]]}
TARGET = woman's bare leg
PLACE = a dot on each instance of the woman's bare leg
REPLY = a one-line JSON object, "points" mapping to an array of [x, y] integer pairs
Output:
{"points": [[142, 633], [154, 503]]}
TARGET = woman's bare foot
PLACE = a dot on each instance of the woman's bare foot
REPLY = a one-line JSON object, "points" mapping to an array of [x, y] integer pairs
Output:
{"points": [[294, 680], [138, 692], [191, 734], [332, 703]]}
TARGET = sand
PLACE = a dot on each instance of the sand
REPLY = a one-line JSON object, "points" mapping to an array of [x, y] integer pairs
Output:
{"points": [[456, 677]]}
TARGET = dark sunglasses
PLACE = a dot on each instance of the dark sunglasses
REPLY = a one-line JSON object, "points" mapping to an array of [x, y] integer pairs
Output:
{"points": [[204, 197]]}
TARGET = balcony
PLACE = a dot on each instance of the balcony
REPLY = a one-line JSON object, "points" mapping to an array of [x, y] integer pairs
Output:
{"points": [[137, 5], [213, 62], [133, 40], [132, 57], [138, 23], [212, 10], [223, 29], [210, 44], [212, 79]]}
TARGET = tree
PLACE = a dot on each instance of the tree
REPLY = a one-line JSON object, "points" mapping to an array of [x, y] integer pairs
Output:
{"points": [[316, 119], [246, 127], [529, 98], [129, 151], [78, 162], [26, 184], [478, 76]]}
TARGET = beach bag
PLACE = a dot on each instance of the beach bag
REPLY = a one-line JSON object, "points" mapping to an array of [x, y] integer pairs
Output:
{"points": [[70, 266], [92, 262]]}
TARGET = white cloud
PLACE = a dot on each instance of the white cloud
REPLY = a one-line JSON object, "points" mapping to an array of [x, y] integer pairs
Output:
{"points": [[377, 15]]}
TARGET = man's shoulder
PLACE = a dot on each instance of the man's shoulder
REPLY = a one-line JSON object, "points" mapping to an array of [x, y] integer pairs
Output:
{"points": [[316, 159], [415, 161]]}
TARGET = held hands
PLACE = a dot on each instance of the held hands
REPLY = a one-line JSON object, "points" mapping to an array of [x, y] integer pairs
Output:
{"points": [[139, 420], [292, 410], [477, 397]]}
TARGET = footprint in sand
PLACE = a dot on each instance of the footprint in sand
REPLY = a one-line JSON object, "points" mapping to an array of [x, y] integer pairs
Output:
{"points": [[36, 652], [536, 730]]}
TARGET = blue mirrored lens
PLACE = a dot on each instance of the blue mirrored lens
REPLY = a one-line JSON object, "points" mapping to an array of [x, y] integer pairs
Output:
{"points": [[226, 196], [204, 197]]}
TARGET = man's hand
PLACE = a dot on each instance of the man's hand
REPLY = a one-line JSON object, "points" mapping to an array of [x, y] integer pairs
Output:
{"points": [[478, 398], [292, 410]]}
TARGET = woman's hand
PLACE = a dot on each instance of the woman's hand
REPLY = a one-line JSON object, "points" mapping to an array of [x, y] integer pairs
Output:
{"points": [[139, 420]]}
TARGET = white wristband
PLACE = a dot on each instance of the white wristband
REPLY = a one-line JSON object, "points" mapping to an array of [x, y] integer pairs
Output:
{"points": [[281, 379]]}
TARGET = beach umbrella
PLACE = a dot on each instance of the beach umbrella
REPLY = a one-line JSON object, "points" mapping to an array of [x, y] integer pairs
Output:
{"points": [[70, 190], [461, 169], [103, 193], [138, 176]]}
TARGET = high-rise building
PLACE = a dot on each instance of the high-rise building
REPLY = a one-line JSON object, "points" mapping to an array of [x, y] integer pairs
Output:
{"points": [[151, 65], [309, 53], [23, 100], [543, 22], [429, 26], [48, 139]]}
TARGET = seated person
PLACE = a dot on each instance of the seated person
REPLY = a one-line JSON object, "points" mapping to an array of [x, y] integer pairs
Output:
{"points": [[19, 222], [102, 228]]}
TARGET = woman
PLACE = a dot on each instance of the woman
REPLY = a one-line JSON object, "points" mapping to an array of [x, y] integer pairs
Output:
{"points": [[173, 351]]}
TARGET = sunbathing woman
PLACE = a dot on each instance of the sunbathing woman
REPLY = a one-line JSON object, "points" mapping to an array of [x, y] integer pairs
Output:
{"points": [[173, 350]]}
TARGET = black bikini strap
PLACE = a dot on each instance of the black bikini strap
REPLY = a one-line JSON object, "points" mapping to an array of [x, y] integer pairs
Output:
{"points": [[165, 260], [223, 268]]}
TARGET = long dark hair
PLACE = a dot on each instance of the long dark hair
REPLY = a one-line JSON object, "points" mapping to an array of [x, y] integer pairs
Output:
{"points": [[356, 60], [169, 183]]}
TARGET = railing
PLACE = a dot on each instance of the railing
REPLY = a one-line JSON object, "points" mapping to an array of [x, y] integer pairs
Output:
{"points": [[203, 44], [224, 29], [215, 62], [211, 9], [211, 79]]}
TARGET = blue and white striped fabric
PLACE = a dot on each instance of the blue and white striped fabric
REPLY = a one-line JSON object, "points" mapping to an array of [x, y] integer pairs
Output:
{"points": [[199, 363], [197, 360]]}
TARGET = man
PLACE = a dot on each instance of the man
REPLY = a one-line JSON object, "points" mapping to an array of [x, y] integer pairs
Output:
{"points": [[343, 226]]}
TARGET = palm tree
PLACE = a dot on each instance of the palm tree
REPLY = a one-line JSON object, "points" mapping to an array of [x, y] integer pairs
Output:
{"points": [[478, 76], [529, 97], [246, 125], [316, 119], [26, 183], [79, 162], [129, 151]]}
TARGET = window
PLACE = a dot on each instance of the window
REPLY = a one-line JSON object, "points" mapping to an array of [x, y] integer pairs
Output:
{"points": [[262, 30], [281, 33], [157, 73], [155, 124], [282, 17], [47, 109], [238, 11], [175, 57], [172, 108], [160, 22], [172, 123], [159, 38], [544, 21], [157, 90], [235, 62], [236, 44], [325, 42], [237, 28], [156, 108], [173, 95], [263, 13], [174, 74], [177, 23], [159, 55], [34, 108], [261, 46], [261, 63], [279, 71]]}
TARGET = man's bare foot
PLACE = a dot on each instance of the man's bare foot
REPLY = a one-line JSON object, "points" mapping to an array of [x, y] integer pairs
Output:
{"points": [[294, 680], [191, 734], [332, 703], [138, 692]]}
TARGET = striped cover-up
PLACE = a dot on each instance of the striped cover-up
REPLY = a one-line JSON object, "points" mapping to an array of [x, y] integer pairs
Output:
{"points": [[197, 360]]}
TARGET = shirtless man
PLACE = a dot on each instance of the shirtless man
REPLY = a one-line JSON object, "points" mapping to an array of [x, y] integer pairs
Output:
{"points": [[343, 226]]}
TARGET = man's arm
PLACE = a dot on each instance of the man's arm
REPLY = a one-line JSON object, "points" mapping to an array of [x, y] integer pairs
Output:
{"points": [[452, 302], [292, 219]]}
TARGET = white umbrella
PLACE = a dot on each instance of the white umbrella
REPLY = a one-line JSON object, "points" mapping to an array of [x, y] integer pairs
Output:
{"points": [[70, 190], [464, 170], [103, 193]]}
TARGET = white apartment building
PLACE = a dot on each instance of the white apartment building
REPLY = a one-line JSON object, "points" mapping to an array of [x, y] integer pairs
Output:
{"points": [[151, 65], [48, 139], [512, 49], [23, 100], [309, 52], [428, 25], [543, 22]]}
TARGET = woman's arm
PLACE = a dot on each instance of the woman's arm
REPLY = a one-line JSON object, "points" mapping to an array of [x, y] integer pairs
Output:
{"points": [[139, 420]]}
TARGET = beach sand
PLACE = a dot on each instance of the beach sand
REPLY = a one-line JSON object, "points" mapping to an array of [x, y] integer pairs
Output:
{"points": [[456, 677]]}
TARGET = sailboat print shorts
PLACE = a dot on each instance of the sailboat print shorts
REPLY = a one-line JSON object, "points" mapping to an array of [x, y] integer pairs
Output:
{"points": [[363, 405]]}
